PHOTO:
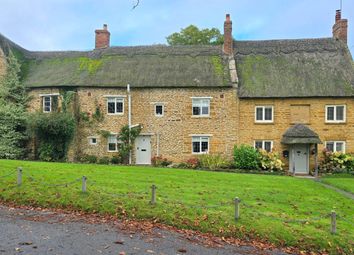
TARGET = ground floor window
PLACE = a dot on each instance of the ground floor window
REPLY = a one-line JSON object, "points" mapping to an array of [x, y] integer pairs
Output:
{"points": [[200, 144], [335, 146], [92, 140], [112, 141], [264, 145]]}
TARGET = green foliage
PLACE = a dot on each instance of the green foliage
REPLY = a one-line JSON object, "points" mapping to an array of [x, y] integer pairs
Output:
{"points": [[336, 162], [213, 161], [246, 157], [104, 161], [270, 161], [160, 161], [127, 137], [192, 35], [105, 133], [218, 66], [116, 160], [91, 159], [68, 97], [54, 133], [13, 101]]}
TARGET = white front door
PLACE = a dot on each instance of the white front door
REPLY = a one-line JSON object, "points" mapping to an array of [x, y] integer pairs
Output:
{"points": [[299, 158], [143, 150]]}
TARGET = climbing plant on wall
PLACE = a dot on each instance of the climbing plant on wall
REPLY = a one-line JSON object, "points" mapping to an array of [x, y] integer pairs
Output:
{"points": [[13, 100]]}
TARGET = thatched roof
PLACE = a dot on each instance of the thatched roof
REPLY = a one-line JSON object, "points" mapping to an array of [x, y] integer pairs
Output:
{"points": [[300, 133], [294, 68], [266, 69], [141, 66]]}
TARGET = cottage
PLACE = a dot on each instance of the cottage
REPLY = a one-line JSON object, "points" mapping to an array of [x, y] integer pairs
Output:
{"points": [[292, 96]]}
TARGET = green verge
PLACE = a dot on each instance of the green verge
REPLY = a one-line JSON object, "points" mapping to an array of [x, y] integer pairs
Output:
{"points": [[268, 203], [341, 181]]}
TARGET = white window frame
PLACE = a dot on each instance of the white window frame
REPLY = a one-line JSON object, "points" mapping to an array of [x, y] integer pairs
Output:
{"points": [[263, 144], [335, 145], [163, 109], [116, 100], [201, 137], [112, 135], [335, 113], [263, 113], [200, 104], [50, 103], [90, 140]]}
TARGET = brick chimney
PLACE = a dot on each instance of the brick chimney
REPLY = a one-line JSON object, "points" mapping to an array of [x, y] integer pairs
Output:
{"points": [[340, 28], [102, 37], [228, 40]]}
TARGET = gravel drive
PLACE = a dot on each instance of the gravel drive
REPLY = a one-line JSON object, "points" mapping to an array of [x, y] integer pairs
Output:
{"points": [[36, 232]]}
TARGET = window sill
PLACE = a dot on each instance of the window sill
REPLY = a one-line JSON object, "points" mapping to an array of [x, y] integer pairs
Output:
{"points": [[201, 117], [111, 151], [335, 123], [115, 114], [263, 123]]}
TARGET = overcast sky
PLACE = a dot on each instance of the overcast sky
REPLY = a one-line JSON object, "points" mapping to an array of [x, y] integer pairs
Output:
{"points": [[70, 24]]}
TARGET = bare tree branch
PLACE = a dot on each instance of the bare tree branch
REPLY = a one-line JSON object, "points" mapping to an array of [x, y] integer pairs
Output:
{"points": [[136, 4]]}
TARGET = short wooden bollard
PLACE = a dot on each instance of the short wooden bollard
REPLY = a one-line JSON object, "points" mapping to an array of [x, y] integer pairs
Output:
{"points": [[237, 208], [19, 176], [84, 179], [333, 222], [153, 194]]}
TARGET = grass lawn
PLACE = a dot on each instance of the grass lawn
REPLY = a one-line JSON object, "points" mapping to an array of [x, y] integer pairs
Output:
{"points": [[186, 199], [341, 181]]}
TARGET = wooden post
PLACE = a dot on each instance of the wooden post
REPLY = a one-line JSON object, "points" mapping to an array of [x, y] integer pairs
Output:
{"points": [[316, 160], [19, 176], [153, 194], [333, 222], [237, 208], [84, 179]]}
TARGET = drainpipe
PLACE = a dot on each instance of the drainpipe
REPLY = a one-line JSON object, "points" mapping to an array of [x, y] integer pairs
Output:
{"points": [[129, 119]]}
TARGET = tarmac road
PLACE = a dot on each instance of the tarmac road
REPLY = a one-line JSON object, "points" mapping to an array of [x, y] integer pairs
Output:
{"points": [[36, 232]]}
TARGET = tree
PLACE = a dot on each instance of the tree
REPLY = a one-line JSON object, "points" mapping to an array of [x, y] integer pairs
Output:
{"points": [[13, 100], [192, 35]]}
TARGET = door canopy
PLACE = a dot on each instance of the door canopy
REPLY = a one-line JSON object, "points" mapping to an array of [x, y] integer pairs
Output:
{"points": [[300, 133]]}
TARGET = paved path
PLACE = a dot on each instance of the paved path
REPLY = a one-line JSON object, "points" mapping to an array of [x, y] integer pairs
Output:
{"points": [[340, 191], [34, 232]]}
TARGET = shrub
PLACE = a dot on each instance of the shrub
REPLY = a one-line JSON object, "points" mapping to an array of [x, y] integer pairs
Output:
{"points": [[116, 160], [88, 159], [336, 162], [213, 162], [193, 163], [159, 161], [270, 161], [104, 161], [54, 132], [246, 157]]}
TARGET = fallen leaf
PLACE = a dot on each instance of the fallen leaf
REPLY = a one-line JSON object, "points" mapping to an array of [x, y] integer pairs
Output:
{"points": [[182, 250]]}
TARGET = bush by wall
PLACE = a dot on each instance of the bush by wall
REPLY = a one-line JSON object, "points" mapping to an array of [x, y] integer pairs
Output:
{"points": [[54, 132], [270, 161], [246, 157], [336, 162], [214, 162], [160, 161]]}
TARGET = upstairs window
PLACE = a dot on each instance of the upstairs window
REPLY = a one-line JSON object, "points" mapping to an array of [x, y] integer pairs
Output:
{"points": [[335, 146], [335, 113], [201, 107], [264, 114], [200, 144], [49, 103], [264, 145], [112, 143], [159, 110], [115, 105]]}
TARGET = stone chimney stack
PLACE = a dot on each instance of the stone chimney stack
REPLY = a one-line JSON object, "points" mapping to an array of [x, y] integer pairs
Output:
{"points": [[228, 40], [340, 28], [102, 38]]}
